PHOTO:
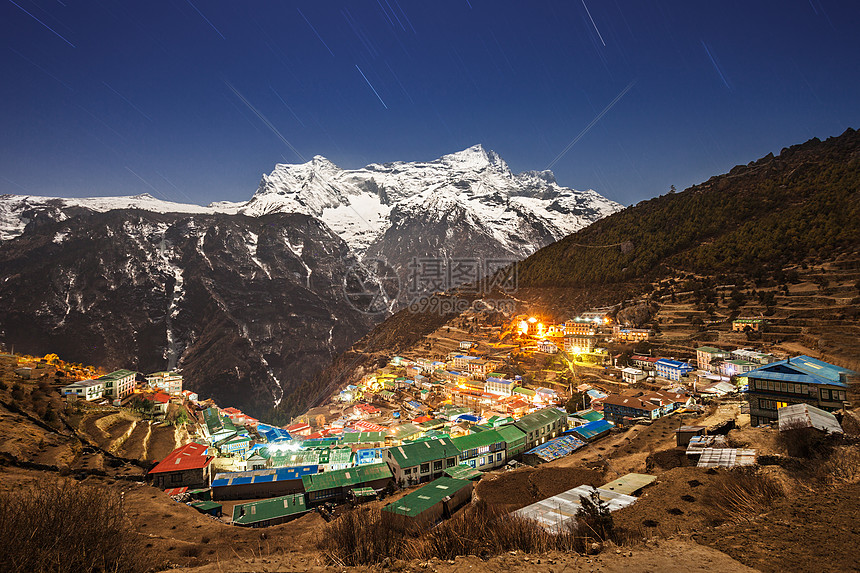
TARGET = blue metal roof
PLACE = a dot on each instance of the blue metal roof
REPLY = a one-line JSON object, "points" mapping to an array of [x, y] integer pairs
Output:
{"points": [[673, 363], [295, 472], [557, 448], [468, 418], [263, 476], [801, 369], [590, 430]]}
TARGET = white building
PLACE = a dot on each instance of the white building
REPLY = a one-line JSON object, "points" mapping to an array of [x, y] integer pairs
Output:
{"points": [[760, 358], [86, 389], [169, 382], [500, 386], [632, 375], [118, 384], [547, 346]]}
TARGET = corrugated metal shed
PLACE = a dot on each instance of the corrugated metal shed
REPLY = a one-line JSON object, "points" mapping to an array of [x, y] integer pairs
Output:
{"points": [[558, 512], [726, 458], [630, 483], [422, 499], [268, 509], [806, 416]]}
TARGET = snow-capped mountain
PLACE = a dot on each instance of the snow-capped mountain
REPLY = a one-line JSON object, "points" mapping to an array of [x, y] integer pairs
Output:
{"points": [[519, 213]]}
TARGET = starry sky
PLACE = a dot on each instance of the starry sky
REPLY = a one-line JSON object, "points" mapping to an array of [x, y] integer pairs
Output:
{"points": [[193, 100]]}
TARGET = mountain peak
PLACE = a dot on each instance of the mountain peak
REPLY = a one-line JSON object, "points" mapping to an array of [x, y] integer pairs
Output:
{"points": [[476, 157]]}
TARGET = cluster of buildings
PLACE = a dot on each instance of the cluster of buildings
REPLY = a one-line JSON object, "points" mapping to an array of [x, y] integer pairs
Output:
{"points": [[118, 386], [439, 424]]}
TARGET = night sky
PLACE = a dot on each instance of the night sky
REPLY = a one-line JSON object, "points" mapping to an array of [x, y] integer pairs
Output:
{"points": [[193, 100]]}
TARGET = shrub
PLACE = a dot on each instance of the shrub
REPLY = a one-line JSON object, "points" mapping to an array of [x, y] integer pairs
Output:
{"points": [[804, 442], [593, 516], [63, 526]]}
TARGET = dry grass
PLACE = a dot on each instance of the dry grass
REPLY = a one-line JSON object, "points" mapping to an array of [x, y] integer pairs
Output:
{"points": [[842, 467], [368, 536], [740, 495], [63, 526]]}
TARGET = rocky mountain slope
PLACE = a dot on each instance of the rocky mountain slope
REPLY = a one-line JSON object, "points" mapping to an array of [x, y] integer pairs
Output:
{"points": [[248, 307]]}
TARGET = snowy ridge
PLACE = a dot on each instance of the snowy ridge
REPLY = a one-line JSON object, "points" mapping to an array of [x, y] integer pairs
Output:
{"points": [[475, 183], [18, 210], [475, 187]]}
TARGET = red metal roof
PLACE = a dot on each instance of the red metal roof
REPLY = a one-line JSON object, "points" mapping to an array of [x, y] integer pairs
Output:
{"points": [[175, 491], [188, 457], [369, 426]]}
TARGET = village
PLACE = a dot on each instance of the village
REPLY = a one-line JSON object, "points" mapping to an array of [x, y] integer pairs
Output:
{"points": [[475, 400]]}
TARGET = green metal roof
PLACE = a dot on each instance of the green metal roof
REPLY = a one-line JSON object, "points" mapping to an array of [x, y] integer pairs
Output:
{"points": [[431, 424], [117, 374], [415, 453], [590, 415], [346, 478], [363, 437], [422, 499], [205, 505], [524, 391], [539, 419], [404, 431], [363, 492], [511, 435], [266, 509], [340, 456], [463, 471], [711, 350], [472, 441]]}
